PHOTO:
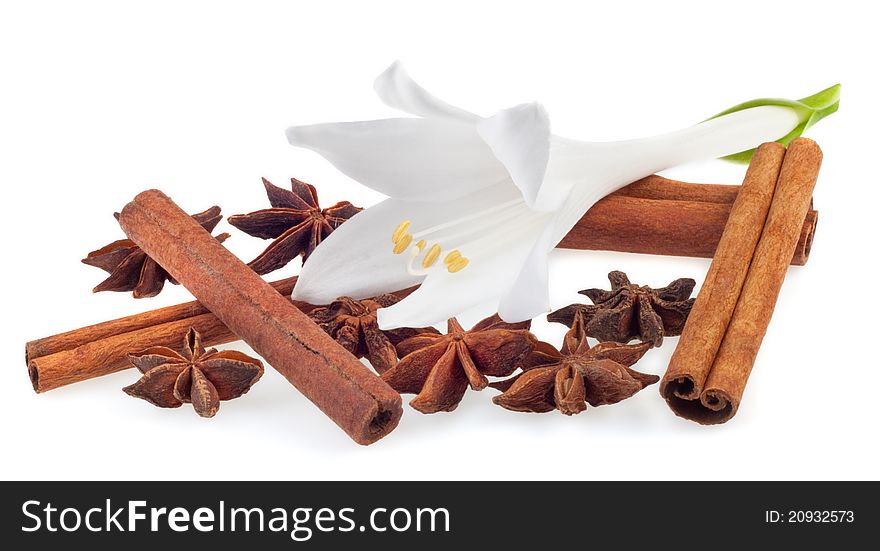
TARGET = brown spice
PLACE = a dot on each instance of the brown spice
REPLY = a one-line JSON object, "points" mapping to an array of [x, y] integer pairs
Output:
{"points": [[629, 311], [296, 222], [132, 270], [195, 375], [656, 215], [570, 378], [712, 396], [439, 368], [345, 389], [695, 353], [353, 324], [102, 349]]}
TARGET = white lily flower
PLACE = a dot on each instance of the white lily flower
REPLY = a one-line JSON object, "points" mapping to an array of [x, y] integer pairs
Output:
{"points": [[476, 204]]}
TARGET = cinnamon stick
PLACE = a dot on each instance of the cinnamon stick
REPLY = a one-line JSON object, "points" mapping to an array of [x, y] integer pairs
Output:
{"points": [[739, 349], [360, 403], [658, 187], [654, 215], [710, 315], [153, 318], [719, 399], [103, 348], [110, 354]]}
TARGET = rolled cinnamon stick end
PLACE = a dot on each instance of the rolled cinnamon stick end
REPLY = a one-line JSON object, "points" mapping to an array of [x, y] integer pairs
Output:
{"points": [[724, 388], [692, 361], [358, 401], [805, 241]]}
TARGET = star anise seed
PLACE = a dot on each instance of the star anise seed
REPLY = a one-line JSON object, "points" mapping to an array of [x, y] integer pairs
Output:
{"points": [[353, 324], [202, 377], [574, 376], [439, 368], [296, 222], [132, 270], [629, 311]]}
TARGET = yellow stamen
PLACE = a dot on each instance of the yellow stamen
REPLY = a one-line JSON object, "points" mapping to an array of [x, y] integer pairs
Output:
{"points": [[431, 256], [452, 257], [400, 231], [421, 245], [458, 265], [402, 243]]}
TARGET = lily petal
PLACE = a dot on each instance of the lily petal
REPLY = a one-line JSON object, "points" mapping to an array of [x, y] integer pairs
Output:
{"points": [[412, 159], [520, 138], [398, 90], [444, 295], [529, 295], [597, 169], [356, 260]]}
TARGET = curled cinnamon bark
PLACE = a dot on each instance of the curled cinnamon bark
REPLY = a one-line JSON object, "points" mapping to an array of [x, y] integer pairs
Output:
{"points": [[739, 349], [715, 355], [656, 215], [358, 401], [711, 313], [102, 348]]}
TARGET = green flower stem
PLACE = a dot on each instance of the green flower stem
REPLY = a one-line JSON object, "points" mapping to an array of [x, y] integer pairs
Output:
{"points": [[810, 110]]}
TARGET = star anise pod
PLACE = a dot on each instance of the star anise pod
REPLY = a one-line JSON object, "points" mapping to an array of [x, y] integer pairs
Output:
{"points": [[628, 311], [353, 324], [203, 377], [132, 270], [439, 368], [296, 222], [570, 378]]}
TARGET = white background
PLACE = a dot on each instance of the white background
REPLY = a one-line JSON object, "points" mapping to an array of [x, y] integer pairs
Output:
{"points": [[100, 100]]}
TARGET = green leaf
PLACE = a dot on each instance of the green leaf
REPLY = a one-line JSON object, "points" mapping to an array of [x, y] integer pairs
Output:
{"points": [[810, 110]]}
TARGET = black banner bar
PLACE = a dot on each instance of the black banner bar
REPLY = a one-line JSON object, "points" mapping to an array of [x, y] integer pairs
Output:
{"points": [[429, 515]]}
